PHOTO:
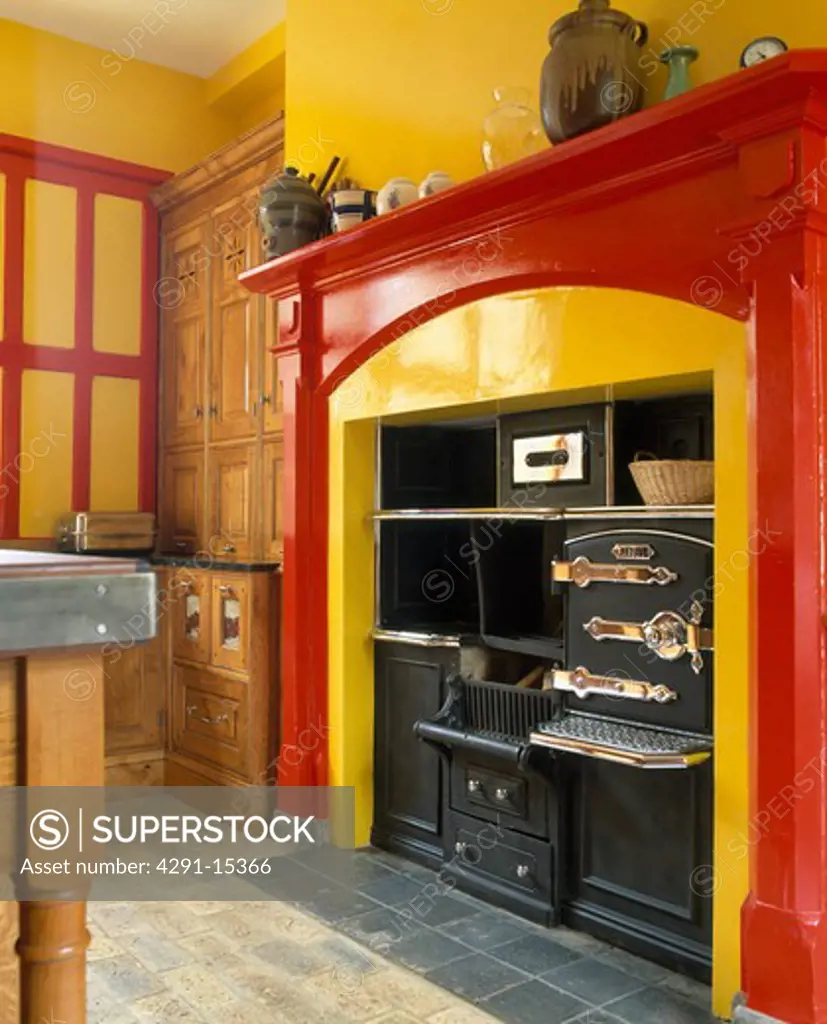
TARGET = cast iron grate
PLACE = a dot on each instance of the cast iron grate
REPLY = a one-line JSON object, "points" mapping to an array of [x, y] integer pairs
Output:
{"points": [[506, 710]]}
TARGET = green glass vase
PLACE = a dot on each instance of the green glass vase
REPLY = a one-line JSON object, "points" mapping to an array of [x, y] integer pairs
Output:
{"points": [[678, 59]]}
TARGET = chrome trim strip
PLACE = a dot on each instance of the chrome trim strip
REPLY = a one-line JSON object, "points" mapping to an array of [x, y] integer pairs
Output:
{"points": [[415, 514], [602, 512], [415, 639], [640, 533]]}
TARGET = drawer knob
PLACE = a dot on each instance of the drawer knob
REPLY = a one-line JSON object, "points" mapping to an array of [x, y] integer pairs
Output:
{"points": [[474, 786], [226, 589], [502, 795], [460, 848], [228, 549], [198, 412], [523, 871], [205, 719]]}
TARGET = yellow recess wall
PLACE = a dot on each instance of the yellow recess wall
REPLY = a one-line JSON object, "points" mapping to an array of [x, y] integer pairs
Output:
{"points": [[526, 351], [118, 262], [49, 264], [402, 87], [45, 458], [114, 461], [59, 91]]}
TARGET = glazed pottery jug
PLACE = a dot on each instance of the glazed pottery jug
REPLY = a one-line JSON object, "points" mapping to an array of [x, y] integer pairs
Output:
{"points": [[592, 75], [437, 181], [512, 130], [398, 192], [678, 59], [291, 213]]}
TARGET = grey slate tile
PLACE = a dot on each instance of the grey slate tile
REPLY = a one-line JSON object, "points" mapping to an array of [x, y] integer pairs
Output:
{"points": [[425, 950], [533, 1002], [535, 954], [596, 982], [659, 1006], [484, 930], [476, 976]]}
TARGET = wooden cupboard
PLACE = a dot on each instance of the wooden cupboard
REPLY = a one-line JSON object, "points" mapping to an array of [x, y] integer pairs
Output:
{"points": [[220, 407], [220, 476], [223, 678]]}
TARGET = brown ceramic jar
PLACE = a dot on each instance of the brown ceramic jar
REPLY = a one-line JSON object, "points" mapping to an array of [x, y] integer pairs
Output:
{"points": [[592, 75]]}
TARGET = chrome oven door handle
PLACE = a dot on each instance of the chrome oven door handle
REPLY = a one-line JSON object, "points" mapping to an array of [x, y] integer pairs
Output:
{"points": [[583, 571], [667, 634], [583, 684]]}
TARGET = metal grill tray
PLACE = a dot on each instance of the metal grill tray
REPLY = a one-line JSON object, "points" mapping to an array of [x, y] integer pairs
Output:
{"points": [[632, 745]]}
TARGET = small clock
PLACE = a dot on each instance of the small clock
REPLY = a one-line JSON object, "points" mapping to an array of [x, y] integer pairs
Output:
{"points": [[762, 49]]}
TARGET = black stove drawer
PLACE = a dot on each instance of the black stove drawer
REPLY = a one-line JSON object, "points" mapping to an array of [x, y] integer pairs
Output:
{"points": [[513, 871], [517, 801], [619, 629]]}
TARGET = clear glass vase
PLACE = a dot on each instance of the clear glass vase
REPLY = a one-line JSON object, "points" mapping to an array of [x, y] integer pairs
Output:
{"points": [[512, 130]]}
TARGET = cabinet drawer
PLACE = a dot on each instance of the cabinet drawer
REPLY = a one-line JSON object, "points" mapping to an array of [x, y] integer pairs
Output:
{"points": [[230, 610], [515, 800], [210, 718], [190, 615], [509, 869]]}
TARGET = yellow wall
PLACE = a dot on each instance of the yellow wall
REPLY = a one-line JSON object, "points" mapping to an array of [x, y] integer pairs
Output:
{"points": [[59, 91], [401, 87], [460, 364]]}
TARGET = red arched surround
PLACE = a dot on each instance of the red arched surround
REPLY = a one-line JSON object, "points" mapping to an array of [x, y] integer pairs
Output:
{"points": [[718, 197]]}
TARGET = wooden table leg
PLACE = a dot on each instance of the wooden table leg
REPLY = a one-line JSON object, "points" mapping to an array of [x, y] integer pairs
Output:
{"points": [[61, 744]]}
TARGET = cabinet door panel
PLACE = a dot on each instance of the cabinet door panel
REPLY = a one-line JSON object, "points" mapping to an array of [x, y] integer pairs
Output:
{"points": [[191, 616], [183, 361], [133, 701], [210, 719], [272, 472], [271, 393], [234, 370], [230, 603], [231, 477], [181, 502]]}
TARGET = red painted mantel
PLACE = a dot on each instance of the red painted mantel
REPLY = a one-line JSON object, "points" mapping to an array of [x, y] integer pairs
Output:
{"points": [[718, 197]]}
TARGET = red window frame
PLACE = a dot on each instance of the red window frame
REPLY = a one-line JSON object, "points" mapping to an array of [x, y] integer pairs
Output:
{"points": [[21, 159]]}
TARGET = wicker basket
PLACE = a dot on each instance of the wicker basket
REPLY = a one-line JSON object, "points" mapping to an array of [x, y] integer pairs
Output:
{"points": [[673, 481]]}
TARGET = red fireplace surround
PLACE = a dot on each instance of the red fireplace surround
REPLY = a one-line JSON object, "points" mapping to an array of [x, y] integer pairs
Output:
{"points": [[718, 197]]}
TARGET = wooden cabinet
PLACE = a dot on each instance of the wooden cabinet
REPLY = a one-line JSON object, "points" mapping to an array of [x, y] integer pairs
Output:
{"points": [[230, 622], [190, 612], [183, 370], [182, 502], [232, 477], [219, 389], [272, 527], [134, 708], [223, 673], [211, 718]]}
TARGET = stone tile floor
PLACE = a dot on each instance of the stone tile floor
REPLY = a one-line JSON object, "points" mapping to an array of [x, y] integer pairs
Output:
{"points": [[375, 944]]}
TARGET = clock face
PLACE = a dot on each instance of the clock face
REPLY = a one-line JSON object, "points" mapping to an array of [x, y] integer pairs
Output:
{"points": [[762, 49]]}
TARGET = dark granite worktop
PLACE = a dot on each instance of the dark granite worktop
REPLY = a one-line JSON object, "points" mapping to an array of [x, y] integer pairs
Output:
{"points": [[204, 561]]}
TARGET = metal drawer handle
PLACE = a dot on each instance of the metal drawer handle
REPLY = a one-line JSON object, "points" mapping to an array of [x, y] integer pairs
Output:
{"points": [[523, 871], [228, 549], [225, 589], [583, 684], [264, 399], [474, 786], [669, 635], [460, 848], [198, 412], [583, 571], [502, 795], [205, 719], [213, 410]]}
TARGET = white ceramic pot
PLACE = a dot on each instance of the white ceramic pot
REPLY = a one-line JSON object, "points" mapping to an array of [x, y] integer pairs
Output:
{"points": [[398, 192], [351, 207], [437, 181]]}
